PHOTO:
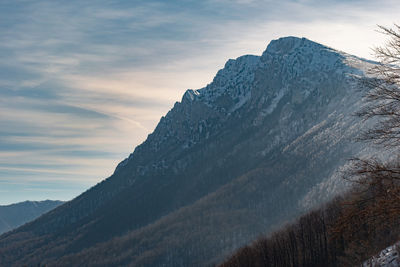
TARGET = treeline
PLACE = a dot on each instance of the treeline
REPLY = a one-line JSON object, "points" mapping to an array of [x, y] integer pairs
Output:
{"points": [[345, 232]]}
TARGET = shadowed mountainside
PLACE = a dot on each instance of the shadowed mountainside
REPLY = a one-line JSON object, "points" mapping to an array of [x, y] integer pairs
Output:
{"points": [[237, 158]]}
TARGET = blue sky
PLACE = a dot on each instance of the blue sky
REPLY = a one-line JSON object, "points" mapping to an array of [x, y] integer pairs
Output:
{"points": [[83, 82]]}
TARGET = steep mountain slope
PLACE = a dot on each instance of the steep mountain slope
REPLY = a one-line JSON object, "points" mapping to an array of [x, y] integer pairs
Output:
{"points": [[14, 215], [229, 161]]}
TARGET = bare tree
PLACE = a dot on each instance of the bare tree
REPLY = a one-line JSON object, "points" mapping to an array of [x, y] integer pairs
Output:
{"points": [[381, 179], [383, 98], [374, 205]]}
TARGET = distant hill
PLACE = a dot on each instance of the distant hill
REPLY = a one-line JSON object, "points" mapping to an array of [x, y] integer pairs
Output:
{"points": [[14, 215]]}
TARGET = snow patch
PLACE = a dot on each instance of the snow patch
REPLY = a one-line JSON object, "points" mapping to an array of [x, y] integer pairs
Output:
{"points": [[234, 80], [389, 257]]}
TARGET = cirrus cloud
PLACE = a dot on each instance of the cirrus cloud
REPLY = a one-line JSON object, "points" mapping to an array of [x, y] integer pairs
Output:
{"points": [[83, 82]]}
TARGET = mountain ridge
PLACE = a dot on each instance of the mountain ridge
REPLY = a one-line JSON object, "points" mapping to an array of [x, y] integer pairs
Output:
{"points": [[14, 215], [241, 127]]}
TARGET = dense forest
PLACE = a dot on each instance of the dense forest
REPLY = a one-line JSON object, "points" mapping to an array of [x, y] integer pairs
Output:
{"points": [[355, 226]]}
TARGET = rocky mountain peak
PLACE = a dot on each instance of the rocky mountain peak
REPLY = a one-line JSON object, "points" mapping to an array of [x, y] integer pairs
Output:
{"points": [[287, 45], [300, 55], [263, 136], [289, 66], [230, 88]]}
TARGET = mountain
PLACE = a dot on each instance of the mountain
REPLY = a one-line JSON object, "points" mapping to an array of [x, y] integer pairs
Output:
{"points": [[263, 142], [14, 215]]}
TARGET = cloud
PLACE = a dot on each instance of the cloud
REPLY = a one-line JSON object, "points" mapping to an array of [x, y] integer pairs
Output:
{"points": [[83, 82]]}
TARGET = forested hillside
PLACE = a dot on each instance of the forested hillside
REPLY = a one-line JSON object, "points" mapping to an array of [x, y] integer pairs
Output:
{"points": [[341, 233]]}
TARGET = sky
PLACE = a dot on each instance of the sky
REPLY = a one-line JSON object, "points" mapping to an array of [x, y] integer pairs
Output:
{"points": [[82, 83]]}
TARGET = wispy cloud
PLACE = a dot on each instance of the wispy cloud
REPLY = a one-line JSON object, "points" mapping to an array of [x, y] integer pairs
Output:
{"points": [[83, 82]]}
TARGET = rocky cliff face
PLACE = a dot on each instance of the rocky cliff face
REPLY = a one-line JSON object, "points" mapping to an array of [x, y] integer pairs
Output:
{"points": [[252, 149]]}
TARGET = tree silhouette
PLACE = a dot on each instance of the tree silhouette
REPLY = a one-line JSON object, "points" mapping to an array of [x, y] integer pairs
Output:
{"points": [[383, 96], [374, 205]]}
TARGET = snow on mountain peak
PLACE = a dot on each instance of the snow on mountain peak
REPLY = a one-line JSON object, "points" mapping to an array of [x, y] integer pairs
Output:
{"points": [[289, 66], [286, 45], [233, 81], [232, 86]]}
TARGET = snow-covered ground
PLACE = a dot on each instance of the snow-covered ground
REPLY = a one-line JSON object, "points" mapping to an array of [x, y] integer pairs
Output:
{"points": [[389, 257]]}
